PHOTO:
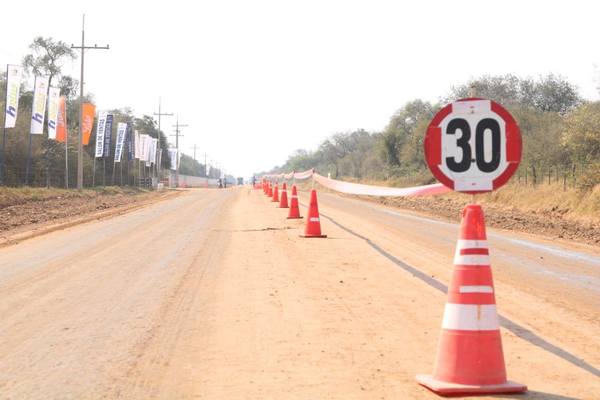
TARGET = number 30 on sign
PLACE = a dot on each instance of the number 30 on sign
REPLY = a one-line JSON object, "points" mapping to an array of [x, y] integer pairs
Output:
{"points": [[473, 146]]}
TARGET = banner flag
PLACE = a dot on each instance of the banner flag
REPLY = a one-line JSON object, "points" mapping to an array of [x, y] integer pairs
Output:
{"points": [[89, 111], [100, 128], [152, 152], [107, 135], [129, 141], [138, 145], [38, 108], [121, 132], [144, 147], [154, 147], [61, 120], [53, 100], [174, 158], [14, 73]]}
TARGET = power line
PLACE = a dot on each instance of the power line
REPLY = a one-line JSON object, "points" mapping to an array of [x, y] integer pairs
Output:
{"points": [[83, 47], [177, 134], [160, 114]]}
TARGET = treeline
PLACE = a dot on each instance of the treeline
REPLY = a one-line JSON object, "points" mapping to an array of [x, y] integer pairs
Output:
{"points": [[560, 130], [50, 160]]}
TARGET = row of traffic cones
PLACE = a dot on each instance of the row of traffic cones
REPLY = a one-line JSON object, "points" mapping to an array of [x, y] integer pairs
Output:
{"points": [[313, 220], [470, 359]]}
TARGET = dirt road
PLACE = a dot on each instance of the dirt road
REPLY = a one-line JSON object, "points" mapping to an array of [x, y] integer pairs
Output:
{"points": [[212, 295]]}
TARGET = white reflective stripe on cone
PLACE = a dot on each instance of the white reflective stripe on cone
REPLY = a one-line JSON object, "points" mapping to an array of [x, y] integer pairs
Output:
{"points": [[471, 259], [476, 289], [314, 219], [471, 244], [470, 317], [294, 197]]}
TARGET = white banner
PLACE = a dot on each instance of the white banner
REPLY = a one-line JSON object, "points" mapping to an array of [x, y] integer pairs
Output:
{"points": [[100, 129], [38, 108], [174, 158], [121, 130], [144, 147], [153, 143], [53, 100], [14, 74], [138, 145]]}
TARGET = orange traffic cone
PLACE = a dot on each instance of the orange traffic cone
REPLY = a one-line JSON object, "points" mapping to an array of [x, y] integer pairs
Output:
{"points": [[294, 209], [313, 222], [275, 198], [269, 190], [283, 203], [470, 358]]}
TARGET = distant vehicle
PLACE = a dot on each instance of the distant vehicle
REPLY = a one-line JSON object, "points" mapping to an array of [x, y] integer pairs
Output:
{"points": [[240, 181]]}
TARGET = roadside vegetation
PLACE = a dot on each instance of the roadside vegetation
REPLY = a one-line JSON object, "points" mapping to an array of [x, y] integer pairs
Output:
{"points": [[561, 145]]}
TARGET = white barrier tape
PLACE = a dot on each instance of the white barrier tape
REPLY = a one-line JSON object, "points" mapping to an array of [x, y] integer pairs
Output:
{"points": [[471, 259], [470, 317], [368, 190], [365, 190], [475, 289]]}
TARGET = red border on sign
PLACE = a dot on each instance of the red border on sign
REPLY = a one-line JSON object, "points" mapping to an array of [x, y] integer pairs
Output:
{"points": [[433, 143]]}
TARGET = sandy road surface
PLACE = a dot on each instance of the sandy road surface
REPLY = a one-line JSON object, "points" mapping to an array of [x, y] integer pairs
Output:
{"points": [[212, 295]]}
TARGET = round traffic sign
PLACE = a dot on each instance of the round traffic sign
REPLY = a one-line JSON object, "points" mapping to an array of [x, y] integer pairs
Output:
{"points": [[473, 145]]}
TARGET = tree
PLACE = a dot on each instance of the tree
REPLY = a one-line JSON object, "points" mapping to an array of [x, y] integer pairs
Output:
{"points": [[47, 58], [581, 135], [550, 93]]}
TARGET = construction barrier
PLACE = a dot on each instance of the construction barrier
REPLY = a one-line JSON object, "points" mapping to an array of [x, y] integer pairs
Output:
{"points": [[361, 189]]}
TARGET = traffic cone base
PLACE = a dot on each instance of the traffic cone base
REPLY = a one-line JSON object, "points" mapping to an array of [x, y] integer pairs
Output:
{"points": [[455, 389], [470, 359]]}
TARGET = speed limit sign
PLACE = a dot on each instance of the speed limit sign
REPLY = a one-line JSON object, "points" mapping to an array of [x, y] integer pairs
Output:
{"points": [[473, 145]]}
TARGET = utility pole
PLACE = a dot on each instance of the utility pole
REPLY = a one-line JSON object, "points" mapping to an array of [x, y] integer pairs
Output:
{"points": [[177, 130], [160, 114], [83, 47]]}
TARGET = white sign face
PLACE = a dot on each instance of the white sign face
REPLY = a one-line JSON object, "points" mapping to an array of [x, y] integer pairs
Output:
{"points": [[467, 146]]}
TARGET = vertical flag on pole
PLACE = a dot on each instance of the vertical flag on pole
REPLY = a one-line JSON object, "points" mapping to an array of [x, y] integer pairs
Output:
{"points": [[129, 139], [138, 144], [38, 108], [13, 87], [107, 135], [89, 110], [174, 158], [100, 128], [121, 132], [53, 103], [61, 120]]}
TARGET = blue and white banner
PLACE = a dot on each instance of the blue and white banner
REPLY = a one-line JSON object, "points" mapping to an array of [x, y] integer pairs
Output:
{"points": [[38, 108], [14, 73], [53, 100], [121, 132], [100, 128], [108, 135], [129, 141]]}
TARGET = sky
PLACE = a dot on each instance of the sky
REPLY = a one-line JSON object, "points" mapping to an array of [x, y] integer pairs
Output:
{"points": [[256, 80]]}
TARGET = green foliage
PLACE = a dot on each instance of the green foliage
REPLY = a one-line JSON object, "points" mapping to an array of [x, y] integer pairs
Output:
{"points": [[558, 129], [189, 166]]}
